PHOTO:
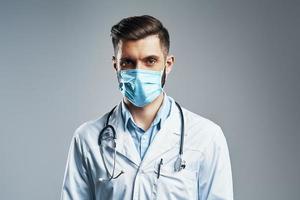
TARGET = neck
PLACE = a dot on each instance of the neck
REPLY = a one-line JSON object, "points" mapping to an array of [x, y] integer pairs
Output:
{"points": [[144, 116]]}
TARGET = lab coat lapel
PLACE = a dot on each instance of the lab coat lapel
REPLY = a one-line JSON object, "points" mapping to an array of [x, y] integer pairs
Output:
{"points": [[167, 138], [124, 142]]}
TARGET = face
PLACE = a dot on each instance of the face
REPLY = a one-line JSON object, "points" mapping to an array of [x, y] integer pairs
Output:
{"points": [[145, 53]]}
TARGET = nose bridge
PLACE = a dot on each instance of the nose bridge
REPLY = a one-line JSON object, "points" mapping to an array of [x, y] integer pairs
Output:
{"points": [[139, 64]]}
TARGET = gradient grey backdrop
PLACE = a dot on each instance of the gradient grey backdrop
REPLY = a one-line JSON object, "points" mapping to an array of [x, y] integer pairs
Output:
{"points": [[237, 63]]}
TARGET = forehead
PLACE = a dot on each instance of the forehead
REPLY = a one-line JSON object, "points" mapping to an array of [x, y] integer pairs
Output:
{"points": [[149, 45]]}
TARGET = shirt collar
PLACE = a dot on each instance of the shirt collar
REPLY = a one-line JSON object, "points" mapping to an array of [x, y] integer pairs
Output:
{"points": [[160, 117]]}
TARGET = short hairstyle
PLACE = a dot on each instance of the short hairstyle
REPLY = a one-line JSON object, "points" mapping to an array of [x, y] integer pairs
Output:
{"points": [[139, 27]]}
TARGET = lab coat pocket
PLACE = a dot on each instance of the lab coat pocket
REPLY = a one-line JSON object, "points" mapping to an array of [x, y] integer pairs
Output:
{"points": [[175, 185]]}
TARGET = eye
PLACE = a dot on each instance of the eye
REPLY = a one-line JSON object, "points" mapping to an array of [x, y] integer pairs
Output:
{"points": [[151, 61], [126, 63]]}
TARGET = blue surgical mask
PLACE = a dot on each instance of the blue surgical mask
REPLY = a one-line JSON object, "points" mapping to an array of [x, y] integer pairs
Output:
{"points": [[140, 86]]}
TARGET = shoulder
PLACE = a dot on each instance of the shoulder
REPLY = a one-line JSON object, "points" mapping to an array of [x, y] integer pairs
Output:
{"points": [[197, 121], [86, 134], [201, 131]]}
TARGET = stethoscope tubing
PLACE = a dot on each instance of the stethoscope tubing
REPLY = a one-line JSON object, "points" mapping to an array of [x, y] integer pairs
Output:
{"points": [[179, 164]]}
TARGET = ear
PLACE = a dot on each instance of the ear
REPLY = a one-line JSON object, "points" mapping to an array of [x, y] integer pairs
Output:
{"points": [[114, 62], [169, 63]]}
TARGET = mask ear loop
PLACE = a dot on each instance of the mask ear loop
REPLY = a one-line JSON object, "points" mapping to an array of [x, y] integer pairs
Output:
{"points": [[163, 78]]}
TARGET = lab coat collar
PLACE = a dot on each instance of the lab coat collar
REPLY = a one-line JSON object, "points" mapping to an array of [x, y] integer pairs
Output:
{"points": [[124, 143]]}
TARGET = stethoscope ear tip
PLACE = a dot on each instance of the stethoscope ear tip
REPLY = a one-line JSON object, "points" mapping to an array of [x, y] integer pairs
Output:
{"points": [[101, 179]]}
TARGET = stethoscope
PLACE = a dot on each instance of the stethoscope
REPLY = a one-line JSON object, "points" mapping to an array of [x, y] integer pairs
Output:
{"points": [[108, 134]]}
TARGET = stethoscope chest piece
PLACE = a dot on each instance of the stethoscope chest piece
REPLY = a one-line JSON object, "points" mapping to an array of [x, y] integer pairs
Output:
{"points": [[179, 164]]}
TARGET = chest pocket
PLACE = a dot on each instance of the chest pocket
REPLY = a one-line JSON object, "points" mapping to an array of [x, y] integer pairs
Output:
{"points": [[174, 185]]}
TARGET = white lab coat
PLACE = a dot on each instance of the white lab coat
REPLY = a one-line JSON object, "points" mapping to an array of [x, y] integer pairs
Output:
{"points": [[207, 175]]}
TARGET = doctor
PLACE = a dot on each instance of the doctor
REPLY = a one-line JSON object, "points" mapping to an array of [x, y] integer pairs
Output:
{"points": [[137, 151]]}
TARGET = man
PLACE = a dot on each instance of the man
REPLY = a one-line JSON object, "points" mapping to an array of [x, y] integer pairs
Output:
{"points": [[147, 147]]}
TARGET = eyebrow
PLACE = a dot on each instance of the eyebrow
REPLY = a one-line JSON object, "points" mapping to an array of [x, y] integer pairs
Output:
{"points": [[146, 57], [126, 58], [151, 56]]}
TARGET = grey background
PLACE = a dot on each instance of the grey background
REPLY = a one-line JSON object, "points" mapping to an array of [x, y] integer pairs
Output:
{"points": [[237, 63]]}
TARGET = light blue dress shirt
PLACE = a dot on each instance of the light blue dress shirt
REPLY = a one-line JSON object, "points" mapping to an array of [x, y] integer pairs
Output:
{"points": [[143, 138]]}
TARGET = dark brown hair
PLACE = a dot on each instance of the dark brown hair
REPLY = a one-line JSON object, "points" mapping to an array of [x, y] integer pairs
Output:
{"points": [[139, 27]]}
